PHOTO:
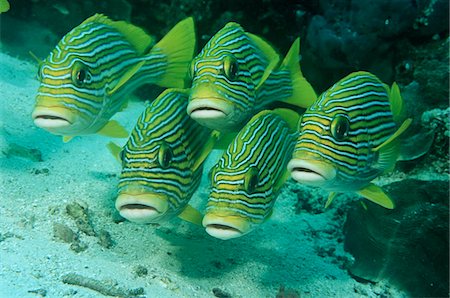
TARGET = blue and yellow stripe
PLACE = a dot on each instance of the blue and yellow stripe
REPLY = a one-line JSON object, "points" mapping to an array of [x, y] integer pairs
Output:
{"points": [[247, 178], [85, 79], [163, 159], [349, 136]]}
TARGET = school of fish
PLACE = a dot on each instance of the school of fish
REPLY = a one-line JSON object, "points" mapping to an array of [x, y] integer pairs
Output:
{"points": [[236, 95]]}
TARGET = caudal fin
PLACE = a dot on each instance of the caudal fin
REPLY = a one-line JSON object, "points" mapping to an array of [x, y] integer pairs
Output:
{"points": [[303, 94], [178, 46]]}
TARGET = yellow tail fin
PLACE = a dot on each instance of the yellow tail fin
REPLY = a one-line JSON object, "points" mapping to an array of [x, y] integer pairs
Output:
{"points": [[303, 94], [179, 47]]}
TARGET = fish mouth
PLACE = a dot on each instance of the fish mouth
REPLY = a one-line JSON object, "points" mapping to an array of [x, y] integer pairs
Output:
{"points": [[225, 227], [311, 172], [142, 208], [51, 118], [208, 108]]}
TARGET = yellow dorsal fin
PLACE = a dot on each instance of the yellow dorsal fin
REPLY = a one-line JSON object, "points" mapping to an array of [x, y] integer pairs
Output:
{"points": [[291, 117], [115, 150], [330, 199], [179, 46], [192, 215], [4, 6], [303, 94], [377, 195], [113, 129], [399, 131], [66, 139], [269, 52], [136, 36], [396, 101], [209, 145]]}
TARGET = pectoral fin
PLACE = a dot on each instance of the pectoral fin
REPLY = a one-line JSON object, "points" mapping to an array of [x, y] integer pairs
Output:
{"points": [[192, 215], [126, 77], [286, 175], [389, 151], [113, 129], [330, 199], [399, 131], [67, 138], [291, 117], [115, 150], [377, 195], [209, 145]]}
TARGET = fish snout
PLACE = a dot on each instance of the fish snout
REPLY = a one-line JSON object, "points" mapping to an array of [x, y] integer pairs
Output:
{"points": [[225, 227], [142, 208], [311, 172], [52, 118]]}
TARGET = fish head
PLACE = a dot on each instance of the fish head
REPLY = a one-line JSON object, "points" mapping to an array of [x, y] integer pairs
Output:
{"points": [[247, 178], [218, 98], [235, 205], [156, 182], [159, 160], [338, 132], [74, 84], [225, 75]]}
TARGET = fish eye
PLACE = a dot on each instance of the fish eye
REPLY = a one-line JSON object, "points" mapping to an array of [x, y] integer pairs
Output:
{"points": [[165, 155], [251, 180], [340, 127], [80, 75], [230, 67]]}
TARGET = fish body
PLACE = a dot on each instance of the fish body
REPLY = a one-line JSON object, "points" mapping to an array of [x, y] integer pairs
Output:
{"points": [[349, 136], [237, 74], [162, 161], [85, 79], [246, 180]]}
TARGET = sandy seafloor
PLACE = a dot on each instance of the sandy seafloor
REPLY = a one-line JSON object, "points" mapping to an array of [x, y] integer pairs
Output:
{"points": [[182, 260]]}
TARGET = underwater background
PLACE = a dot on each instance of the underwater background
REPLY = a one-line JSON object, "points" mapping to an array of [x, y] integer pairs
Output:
{"points": [[61, 236]]}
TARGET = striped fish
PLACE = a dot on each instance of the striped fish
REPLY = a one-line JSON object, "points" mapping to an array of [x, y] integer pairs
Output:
{"points": [[237, 74], [162, 162], [349, 136], [85, 79], [247, 178]]}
